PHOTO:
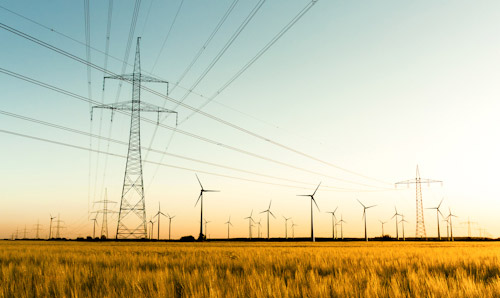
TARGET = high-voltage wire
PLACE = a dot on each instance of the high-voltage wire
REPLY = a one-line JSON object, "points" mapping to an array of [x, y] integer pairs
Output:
{"points": [[72, 130], [256, 57], [215, 118], [168, 35], [152, 162], [62, 91]]}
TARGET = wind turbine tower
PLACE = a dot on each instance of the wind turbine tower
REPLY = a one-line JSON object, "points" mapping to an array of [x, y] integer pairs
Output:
{"points": [[364, 217], [383, 223], [159, 214], [286, 226], [169, 224], [228, 223], [334, 219], [50, 226], [268, 211], [341, 222], [437, 216], [132, 214], [396, 214], [403, 220], [250, 220], [420, 225], [312, 219], [200, 199]]}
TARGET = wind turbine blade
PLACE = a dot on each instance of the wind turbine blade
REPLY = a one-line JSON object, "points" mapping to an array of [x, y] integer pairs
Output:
{"points": [[263, 211], [315, 202], [199, 180], [440, 203], [268, 208], [303, 195], [211, 190], [335, 210], [439, 211], [198, 200], [361, 203], [272, 214], [316, 189]]}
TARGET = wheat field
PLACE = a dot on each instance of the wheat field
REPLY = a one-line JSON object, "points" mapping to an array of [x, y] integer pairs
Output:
{"points": [[259, 269]]}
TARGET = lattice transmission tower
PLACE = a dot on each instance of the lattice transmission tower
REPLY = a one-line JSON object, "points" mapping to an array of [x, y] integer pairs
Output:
{"points": [[132, 214], [104, 211], [420, 225]]}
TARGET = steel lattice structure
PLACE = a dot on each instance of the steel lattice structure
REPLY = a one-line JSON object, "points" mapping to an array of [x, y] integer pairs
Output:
{"points": [[420, 224], [132, 214]]}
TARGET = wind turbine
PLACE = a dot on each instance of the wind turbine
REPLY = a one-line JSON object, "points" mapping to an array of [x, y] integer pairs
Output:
{"points": [[159, 214], [383, 223], [50, 227], [151, 232], [437, 214], [364, 217], [200, 197], [334, 219], [95, 222], [451, 223], [312, 200], [250, 220], [286, 226], [396, 214], [402, 221], [169, 224], [259, 235], [447, 228], [293, 229], [206, 224], [341, 222], [228, 223], [268, 212]]}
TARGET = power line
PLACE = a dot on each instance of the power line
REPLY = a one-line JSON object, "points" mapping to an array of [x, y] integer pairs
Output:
{"points": [[256, 57], [72, 130], [82, 98], [215, 118], [146, 161], [168, 35]]}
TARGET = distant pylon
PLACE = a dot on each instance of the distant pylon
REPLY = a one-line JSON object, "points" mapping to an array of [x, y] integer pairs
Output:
{"points": [[420, 225], [38, 225], [104, 211], [132, 214]]}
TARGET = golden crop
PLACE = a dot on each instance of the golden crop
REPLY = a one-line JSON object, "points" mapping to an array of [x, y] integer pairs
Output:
{"points": [[355, 269]]}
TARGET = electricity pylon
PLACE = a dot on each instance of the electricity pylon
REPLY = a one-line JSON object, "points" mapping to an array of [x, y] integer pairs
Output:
{"points": [[37, 228], [132, 214], [420, 225], [105, 211], [468, 222]]}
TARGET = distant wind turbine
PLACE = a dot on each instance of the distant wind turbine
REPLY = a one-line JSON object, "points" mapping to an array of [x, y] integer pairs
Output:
{"points": [[293, 229], [250, 220], [228, 223], [402, 221], [206, 230], [159, 214], [396, 214], [341, 222], [334, 219], [286, 226], [50, 226], [169, 224], [259, 234], [364, 217], [151, 232], [95, 223], [268, 212], [437, 214], [312, 219], [383, 223], [200, 197], [450, 216]]}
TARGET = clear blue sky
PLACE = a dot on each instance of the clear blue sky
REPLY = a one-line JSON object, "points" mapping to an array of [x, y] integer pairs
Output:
{"points": [[374, 87]]}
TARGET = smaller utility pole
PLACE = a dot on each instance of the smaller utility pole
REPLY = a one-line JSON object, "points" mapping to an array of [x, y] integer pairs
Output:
{"points": [[37, 227]]}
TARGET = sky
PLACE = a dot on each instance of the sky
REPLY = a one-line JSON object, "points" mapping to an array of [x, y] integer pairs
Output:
{"points": [[371, 89]]}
